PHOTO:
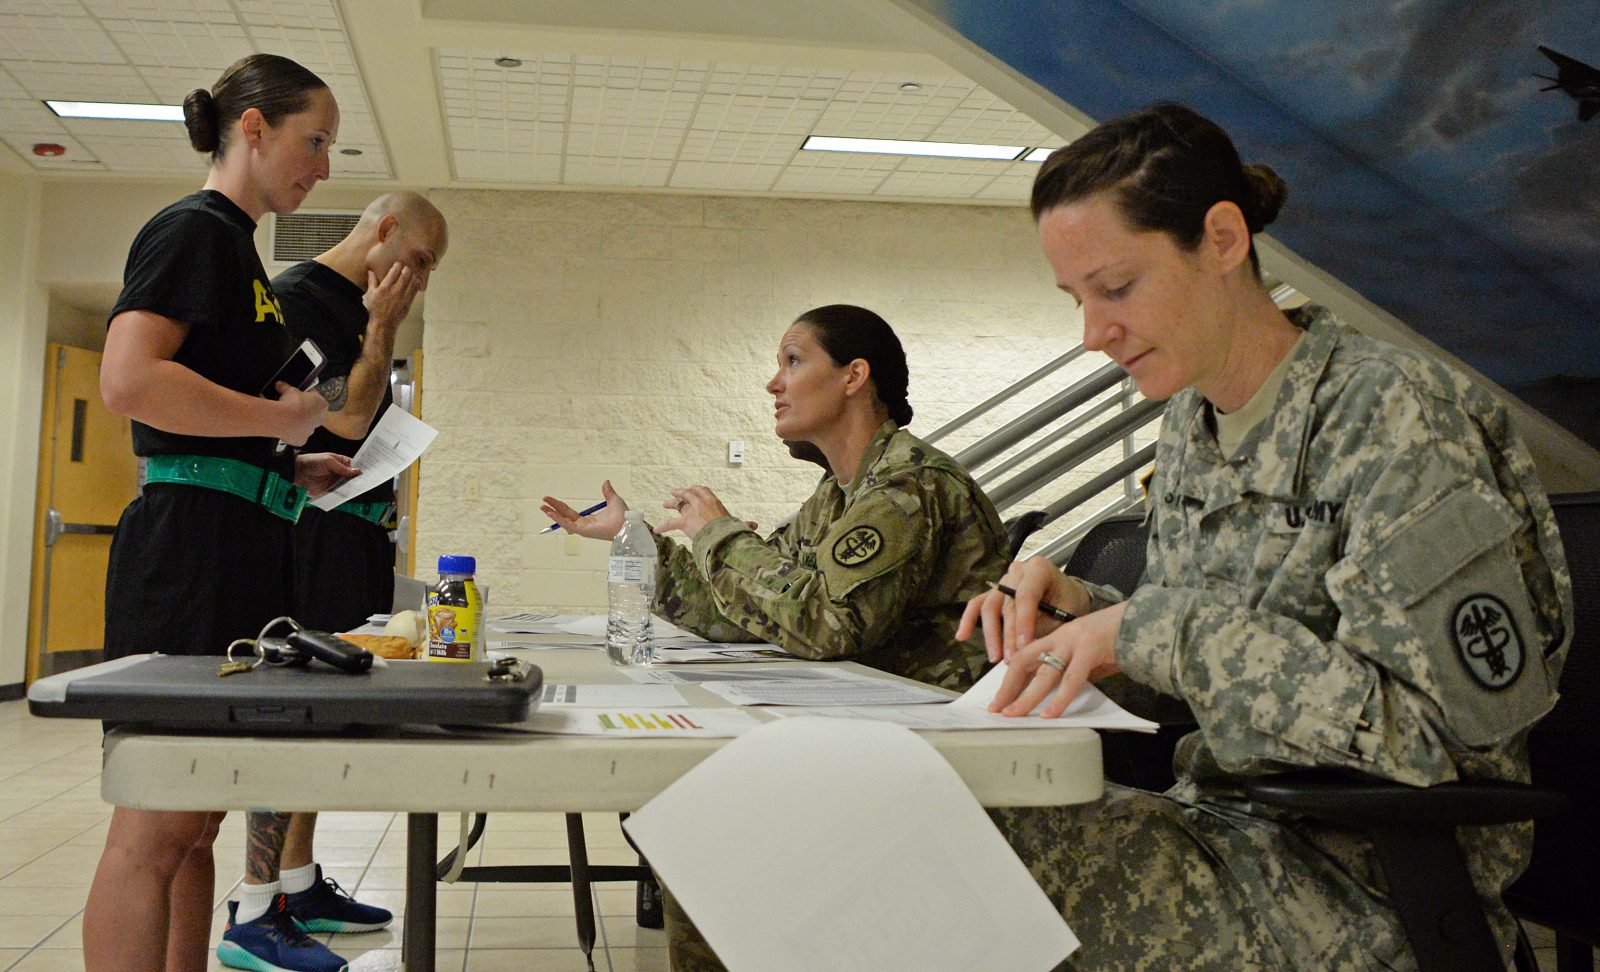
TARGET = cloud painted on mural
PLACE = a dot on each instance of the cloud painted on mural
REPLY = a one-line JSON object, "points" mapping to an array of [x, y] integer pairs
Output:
{"points": [[1426, 169]]}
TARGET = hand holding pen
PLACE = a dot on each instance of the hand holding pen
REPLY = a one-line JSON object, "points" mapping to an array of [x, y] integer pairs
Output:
{"points": [[600, 522], [1031, 600], [581, 513]]}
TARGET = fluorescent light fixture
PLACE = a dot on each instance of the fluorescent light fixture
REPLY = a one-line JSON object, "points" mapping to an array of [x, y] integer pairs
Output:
{"points": [[111, 109], [1039, 154], [897, 146]]}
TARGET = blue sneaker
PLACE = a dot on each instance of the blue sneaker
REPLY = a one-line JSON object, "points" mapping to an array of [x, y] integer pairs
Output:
{"points": [[274, 943], [326, 907]]}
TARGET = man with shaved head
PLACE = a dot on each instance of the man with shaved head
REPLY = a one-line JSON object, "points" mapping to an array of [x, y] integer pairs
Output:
{"points": [[350, 300]]}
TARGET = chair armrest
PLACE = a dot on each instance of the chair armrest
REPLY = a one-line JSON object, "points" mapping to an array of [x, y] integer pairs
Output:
{"points": [[1364, 803]]}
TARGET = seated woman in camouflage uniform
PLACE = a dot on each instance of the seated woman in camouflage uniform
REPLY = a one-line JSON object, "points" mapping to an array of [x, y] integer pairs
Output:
{"points": [[1351, 566], [879, 562]]}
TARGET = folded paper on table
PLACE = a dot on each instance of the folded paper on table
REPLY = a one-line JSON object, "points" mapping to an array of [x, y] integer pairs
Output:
{"points": [[874, 855]]}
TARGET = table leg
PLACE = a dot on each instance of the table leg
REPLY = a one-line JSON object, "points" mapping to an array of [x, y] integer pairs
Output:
{"points": [[422, 853], [582, 898]]}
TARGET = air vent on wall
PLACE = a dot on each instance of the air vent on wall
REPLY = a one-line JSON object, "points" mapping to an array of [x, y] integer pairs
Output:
{"points": [[301, 236]]}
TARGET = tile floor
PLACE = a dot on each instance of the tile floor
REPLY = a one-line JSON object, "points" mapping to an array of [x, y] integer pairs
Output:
{"points": [[53, 825]]}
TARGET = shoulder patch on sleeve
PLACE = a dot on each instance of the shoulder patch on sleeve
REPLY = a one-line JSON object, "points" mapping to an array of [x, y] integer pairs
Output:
{"points": [[1486, 637], [858, 546]]}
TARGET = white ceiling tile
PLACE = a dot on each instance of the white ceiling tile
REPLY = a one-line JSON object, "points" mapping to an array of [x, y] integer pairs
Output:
{"points": [[74, 39], [80, 82]]}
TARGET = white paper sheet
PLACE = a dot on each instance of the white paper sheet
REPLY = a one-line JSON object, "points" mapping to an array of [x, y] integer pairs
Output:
{"points": [[594, 626], [873, 855], [1091, 708], [843, 688], [668, 655], [641, 674], [610, 694], [392, 445], [529, 623], [663, 722]]}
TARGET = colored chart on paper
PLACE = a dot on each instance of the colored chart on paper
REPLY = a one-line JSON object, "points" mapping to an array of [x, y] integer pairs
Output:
{"points": [[658, 722]]}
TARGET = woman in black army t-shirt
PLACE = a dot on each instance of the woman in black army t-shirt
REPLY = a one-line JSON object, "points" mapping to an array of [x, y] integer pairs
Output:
{"points": [[203, 556]]}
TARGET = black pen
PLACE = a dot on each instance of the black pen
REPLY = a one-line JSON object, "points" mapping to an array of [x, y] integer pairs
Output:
{"points": [[1049, 610]]}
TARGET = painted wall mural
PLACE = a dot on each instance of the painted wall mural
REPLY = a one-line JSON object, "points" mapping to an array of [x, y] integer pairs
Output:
{"points": [[1426, 168]]}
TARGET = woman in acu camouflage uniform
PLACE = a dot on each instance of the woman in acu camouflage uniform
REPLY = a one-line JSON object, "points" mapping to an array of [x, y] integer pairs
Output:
{"points": [[1352, 566], [878, 564]]}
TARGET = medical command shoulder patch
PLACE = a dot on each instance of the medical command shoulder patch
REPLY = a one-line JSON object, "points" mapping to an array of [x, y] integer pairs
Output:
{"points": [[858, 546], [1486, 638]]}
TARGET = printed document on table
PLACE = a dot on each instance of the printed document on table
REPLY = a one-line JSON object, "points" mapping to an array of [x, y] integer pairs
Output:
{"points": [[842, 688], [1090, 710], [657, 722], [842, 817], [582, 694], [394, 443]]}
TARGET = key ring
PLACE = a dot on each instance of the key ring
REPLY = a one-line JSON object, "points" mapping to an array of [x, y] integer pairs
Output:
{"points": [[260, 652], [245, 641]]}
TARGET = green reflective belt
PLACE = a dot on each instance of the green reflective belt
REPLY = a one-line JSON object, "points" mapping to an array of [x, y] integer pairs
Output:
{"points": [[271, 491], [375, 512]]}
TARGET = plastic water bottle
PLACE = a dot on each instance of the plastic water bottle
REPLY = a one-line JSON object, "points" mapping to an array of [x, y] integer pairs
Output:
{"points": [[631, 584]]}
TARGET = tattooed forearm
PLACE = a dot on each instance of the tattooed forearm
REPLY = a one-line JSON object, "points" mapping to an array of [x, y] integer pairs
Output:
{"points": [[336, 391], [264, 833]]}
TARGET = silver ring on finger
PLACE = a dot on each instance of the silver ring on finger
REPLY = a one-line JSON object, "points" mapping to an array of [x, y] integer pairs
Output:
{"points": [[1053, 662], [681, 504]]}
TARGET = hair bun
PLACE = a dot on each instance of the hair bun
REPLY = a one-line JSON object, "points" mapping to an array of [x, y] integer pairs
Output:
{"points": [[1267, 192], [200, 117]]}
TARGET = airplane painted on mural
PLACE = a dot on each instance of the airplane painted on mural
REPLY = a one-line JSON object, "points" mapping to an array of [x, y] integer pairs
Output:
{"points": [[1577, 79]]}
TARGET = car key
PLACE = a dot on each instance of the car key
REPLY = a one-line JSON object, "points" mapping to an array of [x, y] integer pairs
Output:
{"points": [[335, 651]]}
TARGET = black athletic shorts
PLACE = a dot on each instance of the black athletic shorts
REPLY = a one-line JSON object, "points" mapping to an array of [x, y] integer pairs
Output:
{"points": [[192, 569], [344, 570]]}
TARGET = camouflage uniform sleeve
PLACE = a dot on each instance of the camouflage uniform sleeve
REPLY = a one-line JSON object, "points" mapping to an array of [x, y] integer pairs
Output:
{"points": [[1451, 625], [684, 598], [869, 564]]}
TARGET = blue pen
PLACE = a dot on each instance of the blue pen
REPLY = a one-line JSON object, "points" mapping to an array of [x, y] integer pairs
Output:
{"points": [[593, 509]]}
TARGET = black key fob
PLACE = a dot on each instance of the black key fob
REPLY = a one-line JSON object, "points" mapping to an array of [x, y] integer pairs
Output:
{"points": [[278, 651], [335, 651]]}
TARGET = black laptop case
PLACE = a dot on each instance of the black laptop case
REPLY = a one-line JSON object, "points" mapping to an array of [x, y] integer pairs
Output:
{"points": [[171, 691]]}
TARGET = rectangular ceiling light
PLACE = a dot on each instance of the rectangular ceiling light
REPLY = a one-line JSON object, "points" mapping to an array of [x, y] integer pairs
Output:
{"points": [[112, 109], [897, 146], [1038, 154]]}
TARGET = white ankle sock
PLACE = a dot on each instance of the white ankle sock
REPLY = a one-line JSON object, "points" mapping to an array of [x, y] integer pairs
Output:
{"points": [[254, 900], [297, 879]]}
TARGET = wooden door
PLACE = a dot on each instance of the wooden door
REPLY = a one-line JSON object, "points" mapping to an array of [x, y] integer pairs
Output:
{"points": [[410, 477], [87, 474]]}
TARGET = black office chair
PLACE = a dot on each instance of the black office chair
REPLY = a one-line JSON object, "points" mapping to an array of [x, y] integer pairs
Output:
{"points": [[1020, 528], [1112, 553], [1561, 888], [1414, 828]]}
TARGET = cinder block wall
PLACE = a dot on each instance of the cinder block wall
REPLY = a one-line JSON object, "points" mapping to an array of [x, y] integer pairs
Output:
{"points": [[573, 337]]}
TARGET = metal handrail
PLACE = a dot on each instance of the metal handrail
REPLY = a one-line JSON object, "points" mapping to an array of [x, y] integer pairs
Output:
{"points": [[1011, 462], [1066, 458], [1039, 416], [1005, 394]]}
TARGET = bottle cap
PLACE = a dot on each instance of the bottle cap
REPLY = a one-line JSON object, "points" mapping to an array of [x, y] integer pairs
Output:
{"points": [[457, 564], [633, 515]]}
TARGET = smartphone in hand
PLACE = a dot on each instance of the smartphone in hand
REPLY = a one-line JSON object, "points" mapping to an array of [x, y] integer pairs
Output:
{"points": [[301, 370]]}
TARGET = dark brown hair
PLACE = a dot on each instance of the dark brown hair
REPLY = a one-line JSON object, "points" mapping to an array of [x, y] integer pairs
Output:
{"points": [[1165, 167], [274, 85], [848, 332]]}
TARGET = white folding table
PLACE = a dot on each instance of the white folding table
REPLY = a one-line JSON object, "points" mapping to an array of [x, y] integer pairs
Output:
{"points": [[427, 771]]}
